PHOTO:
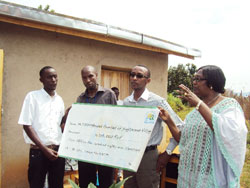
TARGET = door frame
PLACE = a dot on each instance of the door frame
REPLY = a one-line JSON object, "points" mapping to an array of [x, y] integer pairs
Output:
{"points": [[1, 87], [117, 69]]}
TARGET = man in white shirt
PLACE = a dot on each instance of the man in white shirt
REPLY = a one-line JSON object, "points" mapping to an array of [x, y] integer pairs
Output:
{"points": [[147, 175], [41, 117]]}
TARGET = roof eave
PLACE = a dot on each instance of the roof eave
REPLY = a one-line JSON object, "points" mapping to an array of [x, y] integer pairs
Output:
{"points": [[35, 18]]}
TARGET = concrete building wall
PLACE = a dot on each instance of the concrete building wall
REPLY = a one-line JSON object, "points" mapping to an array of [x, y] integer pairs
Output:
{"points": [[26, 51]]}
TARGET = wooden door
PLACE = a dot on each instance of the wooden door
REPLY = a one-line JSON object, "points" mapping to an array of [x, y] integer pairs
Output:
{"points": [[116, 78]]}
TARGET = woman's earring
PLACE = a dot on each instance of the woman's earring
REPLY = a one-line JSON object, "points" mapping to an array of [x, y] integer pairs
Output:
{"points": [[211, 87]]}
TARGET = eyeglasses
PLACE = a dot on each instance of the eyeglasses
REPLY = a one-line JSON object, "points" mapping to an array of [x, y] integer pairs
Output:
{"points": [[198, 79], [132, 75]]}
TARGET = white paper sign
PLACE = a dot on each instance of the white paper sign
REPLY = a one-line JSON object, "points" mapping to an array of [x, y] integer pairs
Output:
{"points": [[108, 135]]}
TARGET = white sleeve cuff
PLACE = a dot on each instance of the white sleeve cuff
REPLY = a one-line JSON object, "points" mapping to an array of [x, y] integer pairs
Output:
{"points": [[172, 144]]}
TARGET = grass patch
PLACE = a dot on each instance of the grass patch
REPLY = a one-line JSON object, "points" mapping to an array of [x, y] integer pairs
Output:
{"points": [[245, 176], [177, 105]]}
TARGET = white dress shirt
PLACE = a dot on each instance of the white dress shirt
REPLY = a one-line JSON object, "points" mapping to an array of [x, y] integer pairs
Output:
{"points": [[150, 99], [119, 102], [44, 113]]}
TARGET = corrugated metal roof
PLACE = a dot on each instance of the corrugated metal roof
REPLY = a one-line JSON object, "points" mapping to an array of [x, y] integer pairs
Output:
{"points": [[59, 20]]}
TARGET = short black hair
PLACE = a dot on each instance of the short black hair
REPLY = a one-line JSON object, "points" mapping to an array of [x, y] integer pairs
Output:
{"points": [[148, 71], [114, 88], [43, 69], [215, 77]]}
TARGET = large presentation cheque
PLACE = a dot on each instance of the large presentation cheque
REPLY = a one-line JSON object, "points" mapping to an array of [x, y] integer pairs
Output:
{"points": [[114, 136]]}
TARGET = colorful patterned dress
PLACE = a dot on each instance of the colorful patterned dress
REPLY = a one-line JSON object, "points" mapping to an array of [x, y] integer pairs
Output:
{"points": [[213, 158]]}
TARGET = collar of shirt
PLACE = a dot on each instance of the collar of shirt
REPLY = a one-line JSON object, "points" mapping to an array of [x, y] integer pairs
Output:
{"points": [[144, 96], [46, 94], [100, 89]]}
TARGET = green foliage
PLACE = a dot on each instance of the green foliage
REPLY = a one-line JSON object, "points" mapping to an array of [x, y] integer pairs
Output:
{"points": [[182, 74], [248, 134], [119, 184], [73, 184], [91, 185], [175, 102], [244, 179], [181, 109], [46, 8]]}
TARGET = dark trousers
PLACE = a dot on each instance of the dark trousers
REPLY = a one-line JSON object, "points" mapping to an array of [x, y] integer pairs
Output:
{"points": [[39, 165], [146, 175], [87, 174]]}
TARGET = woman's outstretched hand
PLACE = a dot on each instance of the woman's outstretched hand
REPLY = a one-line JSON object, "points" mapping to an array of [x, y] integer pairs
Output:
{"points": [[188, 95]]}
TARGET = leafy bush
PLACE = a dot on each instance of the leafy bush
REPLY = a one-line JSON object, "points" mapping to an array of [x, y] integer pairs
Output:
{"points": [[91, 185], [248, 135], [177, 105], [182, 74]]}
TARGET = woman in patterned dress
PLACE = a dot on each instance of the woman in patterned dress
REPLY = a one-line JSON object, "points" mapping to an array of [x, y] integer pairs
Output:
{"points": [[212, 142]]}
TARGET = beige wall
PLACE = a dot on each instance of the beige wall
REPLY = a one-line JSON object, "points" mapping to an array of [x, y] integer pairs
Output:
{"points": [[26, 52]]}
